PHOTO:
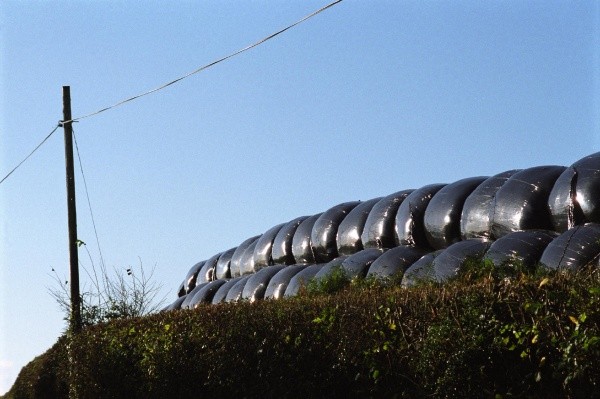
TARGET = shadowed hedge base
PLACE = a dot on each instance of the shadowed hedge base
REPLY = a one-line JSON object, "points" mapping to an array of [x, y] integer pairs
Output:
{"points": [[490, 331]]}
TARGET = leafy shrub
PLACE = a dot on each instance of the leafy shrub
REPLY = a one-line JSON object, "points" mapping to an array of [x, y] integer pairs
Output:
{"points": [[490, 336]]}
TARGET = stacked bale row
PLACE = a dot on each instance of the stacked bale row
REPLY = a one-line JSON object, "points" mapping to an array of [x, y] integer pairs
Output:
{"points": [[544, 214]]}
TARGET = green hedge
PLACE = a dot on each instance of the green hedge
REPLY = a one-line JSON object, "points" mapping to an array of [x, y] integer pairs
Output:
{"points": [[490, 336]]}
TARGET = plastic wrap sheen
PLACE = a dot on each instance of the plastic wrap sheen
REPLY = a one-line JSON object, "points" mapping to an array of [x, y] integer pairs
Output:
{"points": [[351, 228], [575, 197], [301, 244], [575, 248], [256, 285], [410, 228], [379, 230], [279, 283], [324, 232], [393, 262], [301, 279], [223, 264], [478, 209], [522, 202], [442, 216], [238, 254], [282, 245], [523, 247], [264, 247]]}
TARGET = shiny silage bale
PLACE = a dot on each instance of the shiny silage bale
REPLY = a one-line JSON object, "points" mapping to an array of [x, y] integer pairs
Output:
{"points": [[574, 249], [188, 298], [353, 266], [256, 285], [235, 293], [190, 279], [264, 247], [452, 259], [421, 270], [522, 202], [280, 281], [357, 265], [247, 260], [394, 262], [181, 289], [442, 216], [206, 293], [301, 279], [238, 254], [575, 197], [522, 247], [224, 263], [410, 223], [331, 266], [207, 271], [324, 232], [351, 228], [223, 290], [379, 230], [282, 245], [478, 209], [301, 243]]}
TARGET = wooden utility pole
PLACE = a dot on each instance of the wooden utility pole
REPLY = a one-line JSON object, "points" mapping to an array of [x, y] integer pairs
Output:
{"points": [[75, 317]]}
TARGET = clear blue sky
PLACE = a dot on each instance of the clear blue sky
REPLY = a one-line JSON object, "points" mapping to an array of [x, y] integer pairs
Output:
{"points": [[365, 99]]}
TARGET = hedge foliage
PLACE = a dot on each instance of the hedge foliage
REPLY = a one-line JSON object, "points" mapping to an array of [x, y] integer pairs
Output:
{"points": [[485, 334]]}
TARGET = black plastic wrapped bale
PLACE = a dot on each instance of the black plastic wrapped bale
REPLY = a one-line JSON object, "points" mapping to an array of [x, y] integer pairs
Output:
{"points": [[235, 293], [421, 270], [331, 266], [176, 304], [190, 278], [379, 230], [394, 262], [522, 202], [188, 298], [522, 247], [247, 260], [442, 216], [207, 272], [575, 197], [206, 293], [478, 209], [410, 227], [181, 289], [574, 249], [282, 245], [264, 247], [301, 244], [452, 259], [324, 232], [301, 279], [223, 290], [223, 264], [236, 258], [350, 230], [256, 285], [357, 265], [279, 283]]}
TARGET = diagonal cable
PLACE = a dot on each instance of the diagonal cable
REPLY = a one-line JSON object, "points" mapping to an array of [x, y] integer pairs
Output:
{"points": [[172, 82], [30, 154], [102, 265], [207, 65]]}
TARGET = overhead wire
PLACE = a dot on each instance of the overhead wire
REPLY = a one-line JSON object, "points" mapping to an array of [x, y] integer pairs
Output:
{"points": [[202, 68], [165, 85], [30, 154], [87, 194]]}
